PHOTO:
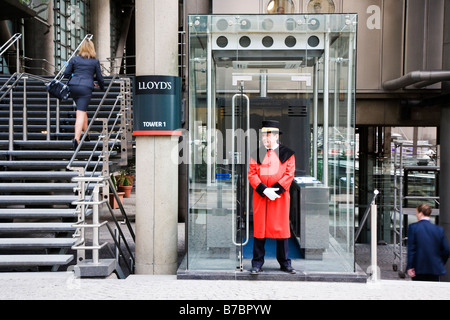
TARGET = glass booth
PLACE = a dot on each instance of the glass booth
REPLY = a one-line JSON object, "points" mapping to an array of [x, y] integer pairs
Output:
{"points": [[297, 69]]}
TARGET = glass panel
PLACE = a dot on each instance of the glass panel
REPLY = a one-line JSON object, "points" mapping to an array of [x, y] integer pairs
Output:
{"points": [[298, 69], [341, 153], [213, 187]]}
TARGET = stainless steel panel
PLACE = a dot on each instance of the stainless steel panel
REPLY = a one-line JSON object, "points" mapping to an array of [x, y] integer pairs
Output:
{"points": [[235, 6], [424, 35], [392, 29], [369, 56]]}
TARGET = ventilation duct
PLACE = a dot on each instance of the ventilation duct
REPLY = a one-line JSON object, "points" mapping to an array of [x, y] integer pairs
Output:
{"points": [[419, 79], [266, 64], [268, 42]]}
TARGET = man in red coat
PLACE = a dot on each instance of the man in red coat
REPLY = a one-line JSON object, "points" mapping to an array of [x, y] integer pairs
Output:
{"points": [[271, 172]]}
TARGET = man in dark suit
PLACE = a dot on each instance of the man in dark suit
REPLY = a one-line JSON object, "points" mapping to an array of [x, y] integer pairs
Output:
{"points": [[428, 249]]}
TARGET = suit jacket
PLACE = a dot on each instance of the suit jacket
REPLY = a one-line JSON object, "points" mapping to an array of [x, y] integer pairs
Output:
{"points": [[84, 71], [428, 249]]}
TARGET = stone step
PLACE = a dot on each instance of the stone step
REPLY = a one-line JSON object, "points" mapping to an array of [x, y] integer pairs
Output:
{"points": [[37, 199], [35, 260], [39, 213], [35, 243], [37, 227]]}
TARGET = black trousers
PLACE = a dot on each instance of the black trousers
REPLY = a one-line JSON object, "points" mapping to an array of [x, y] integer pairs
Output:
{"points": [[426, 277], [259, 252]]}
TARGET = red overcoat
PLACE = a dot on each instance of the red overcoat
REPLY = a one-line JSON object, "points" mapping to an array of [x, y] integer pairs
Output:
{"points": [[277, 170]]}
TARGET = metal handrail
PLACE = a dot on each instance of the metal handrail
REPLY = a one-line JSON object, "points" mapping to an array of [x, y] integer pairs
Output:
{"points": [[94, 117], [103, 177], [18, 76], [8, 44], [84, 201], [87, 37], [366, 214], [42, 68], [10, 84]]}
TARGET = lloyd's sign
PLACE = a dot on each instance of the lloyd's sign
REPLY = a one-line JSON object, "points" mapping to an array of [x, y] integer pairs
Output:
{"points": [[157, 105]]}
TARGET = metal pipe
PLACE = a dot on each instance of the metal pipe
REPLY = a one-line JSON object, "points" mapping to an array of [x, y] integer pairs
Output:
{"points": [[263, 83], [417, 77], [96, 223], [373, 242], [350, 129], [325, 109], [315, 118]]}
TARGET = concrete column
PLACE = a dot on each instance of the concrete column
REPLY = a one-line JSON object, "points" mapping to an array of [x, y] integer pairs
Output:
{"points": [[444, 187], [156, 173], [101, 29]]}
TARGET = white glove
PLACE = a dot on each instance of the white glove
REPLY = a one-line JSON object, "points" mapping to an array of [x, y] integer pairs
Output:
{"points": [[271, 194]]}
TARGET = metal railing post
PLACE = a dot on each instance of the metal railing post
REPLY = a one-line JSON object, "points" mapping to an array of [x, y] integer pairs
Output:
{"points": [[18, 55], [96, 225], [373, 242], [11, 123], [58, 116], [48, 116], [25, 111], [81, 254]]}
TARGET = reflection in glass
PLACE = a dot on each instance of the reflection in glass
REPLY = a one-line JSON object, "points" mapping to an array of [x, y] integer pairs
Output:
{"points": [[299, 69], [280, 6], [321, 6]]}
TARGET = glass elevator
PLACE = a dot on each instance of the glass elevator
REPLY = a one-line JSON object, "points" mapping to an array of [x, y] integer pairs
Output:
{"points": [[300, 70]]}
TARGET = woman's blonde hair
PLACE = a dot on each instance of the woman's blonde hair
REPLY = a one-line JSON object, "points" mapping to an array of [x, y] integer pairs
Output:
{"points": [[87, 49]]}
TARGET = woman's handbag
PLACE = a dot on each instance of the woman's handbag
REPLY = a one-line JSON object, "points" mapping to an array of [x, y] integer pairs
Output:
{"points": [[58, 89]]}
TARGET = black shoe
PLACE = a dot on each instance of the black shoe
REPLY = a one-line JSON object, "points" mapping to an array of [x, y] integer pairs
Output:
{"points": [[255, 270], [75, 144], [288, 269]]}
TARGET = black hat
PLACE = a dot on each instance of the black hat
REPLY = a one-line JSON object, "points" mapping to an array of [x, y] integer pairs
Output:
{"points": [[271, 126]]}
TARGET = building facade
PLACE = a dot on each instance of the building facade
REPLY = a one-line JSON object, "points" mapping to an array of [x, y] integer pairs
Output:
{"points": [[400, 89]]}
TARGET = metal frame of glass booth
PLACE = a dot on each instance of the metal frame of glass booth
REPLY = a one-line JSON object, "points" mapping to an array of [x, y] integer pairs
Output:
{"points": [[298, 69]]}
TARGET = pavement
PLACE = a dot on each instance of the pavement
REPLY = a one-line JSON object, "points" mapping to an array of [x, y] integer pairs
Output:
{"points": [[65, 286]]}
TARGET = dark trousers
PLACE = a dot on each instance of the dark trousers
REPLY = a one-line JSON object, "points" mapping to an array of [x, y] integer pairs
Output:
{"points": [[259, 252], [426, 277]]}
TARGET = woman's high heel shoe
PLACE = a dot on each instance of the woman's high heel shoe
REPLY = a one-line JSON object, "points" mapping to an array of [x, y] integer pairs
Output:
{"points": [[75, 144]]}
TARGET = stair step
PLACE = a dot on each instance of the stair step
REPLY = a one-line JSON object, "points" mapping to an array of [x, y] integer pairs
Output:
{"points": [[36, 243], [37, 136], [35, 260], [36, 227], [36, 187], [44, 164], [40, 175], [38, 213], [52, 145], [48, 154], [37, 200]]}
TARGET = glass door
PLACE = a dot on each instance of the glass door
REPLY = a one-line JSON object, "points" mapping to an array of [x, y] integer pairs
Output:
{"points": [[243, 69], [218, 220]]}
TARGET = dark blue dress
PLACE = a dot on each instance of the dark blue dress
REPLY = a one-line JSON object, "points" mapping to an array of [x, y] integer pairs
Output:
{"points": [[84, 72]]}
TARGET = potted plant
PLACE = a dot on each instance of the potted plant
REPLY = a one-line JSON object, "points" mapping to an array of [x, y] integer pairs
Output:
{"points": [[125, 183], [126, 186], [112, 199]]}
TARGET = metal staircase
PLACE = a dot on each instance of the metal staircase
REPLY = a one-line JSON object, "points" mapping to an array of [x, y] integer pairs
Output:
{"points": [[37, 194]]}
